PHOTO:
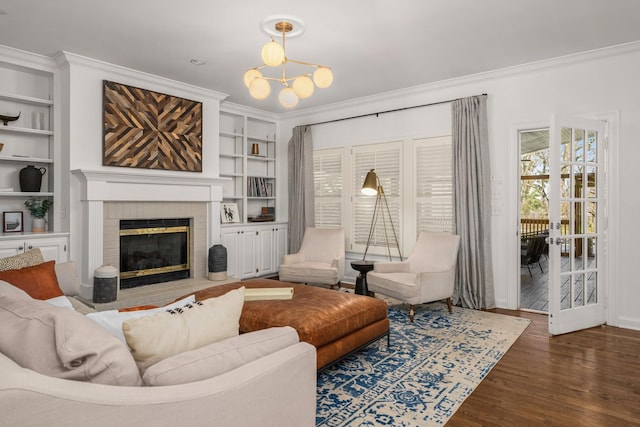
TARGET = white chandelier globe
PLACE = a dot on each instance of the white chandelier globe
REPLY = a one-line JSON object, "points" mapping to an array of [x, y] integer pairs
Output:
{"points": [[323, 77], [259, 88], [303, 87], [272, 54], [288, 98], [250, 75]]}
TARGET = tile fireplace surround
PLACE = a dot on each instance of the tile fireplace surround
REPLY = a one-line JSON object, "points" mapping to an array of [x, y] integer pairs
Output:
{"points": [[107, 197]]}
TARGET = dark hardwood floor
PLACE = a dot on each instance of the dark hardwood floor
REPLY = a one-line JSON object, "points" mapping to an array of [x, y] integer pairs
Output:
{"points": [[586, 378]]}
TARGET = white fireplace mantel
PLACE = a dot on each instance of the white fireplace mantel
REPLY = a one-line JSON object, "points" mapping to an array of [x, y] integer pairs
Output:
{"points": [[127, 186], [98, 187]]}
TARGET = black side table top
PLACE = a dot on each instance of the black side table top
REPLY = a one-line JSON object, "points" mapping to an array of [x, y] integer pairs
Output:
{"points": [[362, 266]]}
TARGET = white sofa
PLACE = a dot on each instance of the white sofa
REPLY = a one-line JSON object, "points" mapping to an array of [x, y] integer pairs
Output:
{"points": [[262, 378]]}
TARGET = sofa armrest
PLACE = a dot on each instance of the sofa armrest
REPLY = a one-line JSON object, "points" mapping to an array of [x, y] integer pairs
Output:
{"points": [[292, 259], [392, 267], [241, 397]]}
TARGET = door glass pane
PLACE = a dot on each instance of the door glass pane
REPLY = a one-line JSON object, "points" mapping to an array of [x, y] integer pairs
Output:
{"points": [[578, 190], [566, 259], [578, 144], [565, 182], [592, 146], [592, 290], [592, 212], [592, 253], [592, 189], [565, 290], [565, 218], [578, 290], [565, 144]]}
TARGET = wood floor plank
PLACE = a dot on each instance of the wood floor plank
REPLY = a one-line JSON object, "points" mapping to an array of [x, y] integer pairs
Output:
{"points": [[586, 378]]}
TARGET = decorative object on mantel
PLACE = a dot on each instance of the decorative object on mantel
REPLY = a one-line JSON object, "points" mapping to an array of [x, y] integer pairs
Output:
{"points": [[255, 149], [6, 119], [38, 209], [217, 262], [31, 179], [150, 130], [274, 55], [12, 222]]}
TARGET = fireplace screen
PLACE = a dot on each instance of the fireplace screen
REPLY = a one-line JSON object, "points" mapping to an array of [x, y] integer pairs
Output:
{"points": [[153, 251]]}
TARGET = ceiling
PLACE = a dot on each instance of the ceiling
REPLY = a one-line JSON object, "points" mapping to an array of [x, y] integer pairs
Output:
{"points": [[373, 46]]}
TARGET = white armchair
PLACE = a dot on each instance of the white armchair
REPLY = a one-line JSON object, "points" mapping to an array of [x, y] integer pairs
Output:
{"points": [[427, 275], [320, 258]]}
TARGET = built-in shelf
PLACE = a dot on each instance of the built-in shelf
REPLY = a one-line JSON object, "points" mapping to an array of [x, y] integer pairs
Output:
{"points": [[24, 194], [25, 159], [25, 99], [16, 129]]}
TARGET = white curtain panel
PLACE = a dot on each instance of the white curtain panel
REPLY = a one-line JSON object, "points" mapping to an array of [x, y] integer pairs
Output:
{"points": [[472, 203]]}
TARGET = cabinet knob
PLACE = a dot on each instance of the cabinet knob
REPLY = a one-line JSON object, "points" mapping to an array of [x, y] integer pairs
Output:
{"points": [[30, 247], [20, 248], [257, 233]]}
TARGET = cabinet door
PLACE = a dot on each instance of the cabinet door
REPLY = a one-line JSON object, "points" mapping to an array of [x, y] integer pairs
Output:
{"points": [[281, 243], [11, 248], [264, 251], [53, 248], [247, 254], [230, 241]]}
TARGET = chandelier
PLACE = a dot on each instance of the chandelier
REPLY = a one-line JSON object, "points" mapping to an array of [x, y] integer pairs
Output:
{"points": [[274, 55]]}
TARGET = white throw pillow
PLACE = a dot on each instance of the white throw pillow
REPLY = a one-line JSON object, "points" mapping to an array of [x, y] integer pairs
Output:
{"points": [[154, 338], [112, 320], [61, 301]]}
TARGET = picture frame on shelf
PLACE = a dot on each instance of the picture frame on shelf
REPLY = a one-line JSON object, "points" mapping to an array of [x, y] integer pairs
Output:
{"points": [[229, 213], [12, 222]]}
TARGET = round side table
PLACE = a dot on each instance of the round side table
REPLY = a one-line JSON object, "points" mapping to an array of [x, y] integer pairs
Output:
{"points": [[363, 267]]}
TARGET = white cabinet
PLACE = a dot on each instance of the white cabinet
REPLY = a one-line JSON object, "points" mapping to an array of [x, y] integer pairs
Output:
{"points": [[248, 158], [254, 250], [53, 246]]}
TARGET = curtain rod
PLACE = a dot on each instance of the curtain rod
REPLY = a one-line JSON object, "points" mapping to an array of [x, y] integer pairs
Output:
{"points": [[389, 111]]}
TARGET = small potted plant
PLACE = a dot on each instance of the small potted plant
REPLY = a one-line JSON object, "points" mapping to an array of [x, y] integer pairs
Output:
{"points": [[38, 209]]}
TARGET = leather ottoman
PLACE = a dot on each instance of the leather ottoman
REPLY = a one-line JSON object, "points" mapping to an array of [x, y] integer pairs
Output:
{"points": [[336, 323]]}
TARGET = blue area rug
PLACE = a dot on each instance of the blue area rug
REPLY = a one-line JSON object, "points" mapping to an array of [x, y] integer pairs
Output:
{"points": [[430, 368]]}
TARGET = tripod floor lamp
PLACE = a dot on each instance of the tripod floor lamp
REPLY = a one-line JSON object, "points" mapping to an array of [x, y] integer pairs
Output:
{"points": [[371, 187]]}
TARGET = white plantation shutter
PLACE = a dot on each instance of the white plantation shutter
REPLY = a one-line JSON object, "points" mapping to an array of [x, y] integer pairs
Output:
{"points": [[433, 175], [386, 160], [327, 180]]}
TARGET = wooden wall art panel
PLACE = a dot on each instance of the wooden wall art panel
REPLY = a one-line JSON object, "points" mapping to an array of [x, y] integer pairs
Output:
{"points": [[150, 130]]}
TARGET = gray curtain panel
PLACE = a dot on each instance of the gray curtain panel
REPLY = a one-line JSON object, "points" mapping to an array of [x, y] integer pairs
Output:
{"points": [[472, 203], [301, 193]]}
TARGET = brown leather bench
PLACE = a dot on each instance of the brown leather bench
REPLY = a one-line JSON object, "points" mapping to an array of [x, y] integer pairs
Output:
{"points": [[336, 323]]}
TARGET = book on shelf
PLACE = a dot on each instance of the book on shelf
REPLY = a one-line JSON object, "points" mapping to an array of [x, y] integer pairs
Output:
{"points": [[257, 187]]}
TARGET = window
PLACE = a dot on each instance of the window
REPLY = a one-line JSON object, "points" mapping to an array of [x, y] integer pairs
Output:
{"points": [[385, 159], [433, 185], [327, 180], [417, 178]]}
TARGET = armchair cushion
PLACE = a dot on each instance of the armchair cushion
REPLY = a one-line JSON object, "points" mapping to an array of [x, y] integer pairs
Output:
{"points": [[392, 267]]}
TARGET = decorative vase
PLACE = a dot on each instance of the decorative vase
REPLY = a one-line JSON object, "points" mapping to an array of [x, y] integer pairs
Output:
{"points": [[31, 178], [38, 225]]}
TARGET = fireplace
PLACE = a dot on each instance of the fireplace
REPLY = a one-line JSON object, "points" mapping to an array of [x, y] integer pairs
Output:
{"points": [[154, 251]]}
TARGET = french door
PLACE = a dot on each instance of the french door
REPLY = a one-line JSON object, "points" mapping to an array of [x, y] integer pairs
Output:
{"points": [[577, 224]]}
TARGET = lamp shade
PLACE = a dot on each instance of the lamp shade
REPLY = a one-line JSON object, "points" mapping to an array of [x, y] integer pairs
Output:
{"points": [[288, 98], [250, 75], [323, 77], [259, 88], [272, 54], [370, 185], [303, 87]]}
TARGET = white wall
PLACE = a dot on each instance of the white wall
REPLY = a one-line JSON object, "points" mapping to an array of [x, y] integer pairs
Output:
{"points": [[82, 130], [600, 84]]}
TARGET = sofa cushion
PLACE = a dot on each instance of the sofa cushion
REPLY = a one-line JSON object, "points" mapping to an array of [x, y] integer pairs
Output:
{"points": [[67, 274], [112, 320], [156, 337], [62, 343], [27, 259], [219, 357], [39, 281]]}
